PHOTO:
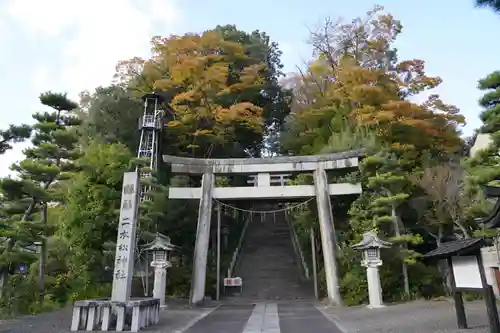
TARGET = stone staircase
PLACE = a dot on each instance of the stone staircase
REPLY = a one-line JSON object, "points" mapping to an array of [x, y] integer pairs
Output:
{"points": [[268, 264]]}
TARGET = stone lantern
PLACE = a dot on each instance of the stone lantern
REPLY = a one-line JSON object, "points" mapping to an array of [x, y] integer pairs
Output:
{"points": [[160, 247], [371, 245]]}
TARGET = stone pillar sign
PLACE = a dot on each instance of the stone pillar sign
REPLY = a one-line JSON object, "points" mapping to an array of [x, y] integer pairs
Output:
{"points": [[125, 243], [371, 245]]}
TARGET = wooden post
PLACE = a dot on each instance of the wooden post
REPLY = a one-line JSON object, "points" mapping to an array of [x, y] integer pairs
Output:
{"points": [[457, 297], [314, 264], [146, 266], [489, 297], [218, 249]]}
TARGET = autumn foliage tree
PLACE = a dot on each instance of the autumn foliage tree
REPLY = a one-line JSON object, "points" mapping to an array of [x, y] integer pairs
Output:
{"points": [[356, 81], [271, 95], [209, 80], [356, 78]]}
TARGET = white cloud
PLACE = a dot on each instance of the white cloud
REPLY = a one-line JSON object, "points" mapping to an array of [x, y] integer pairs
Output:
{"points": [[85, 38], [101, 34], [47, 17]]}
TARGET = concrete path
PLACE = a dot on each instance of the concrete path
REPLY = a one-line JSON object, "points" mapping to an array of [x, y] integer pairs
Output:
{"points": [[286, 317], [265, 318], [173, 320]]}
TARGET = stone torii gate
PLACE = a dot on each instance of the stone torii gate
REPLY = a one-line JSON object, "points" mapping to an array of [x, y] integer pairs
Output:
{"points": [[263, 168]]}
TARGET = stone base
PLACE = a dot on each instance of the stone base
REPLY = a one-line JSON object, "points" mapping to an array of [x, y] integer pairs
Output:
{"points": [[102, 314], [375, 306]]}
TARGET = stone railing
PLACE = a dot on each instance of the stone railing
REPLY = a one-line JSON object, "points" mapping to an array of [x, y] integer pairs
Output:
{"points": [[237, 251], [105, 315], [297, 249]]}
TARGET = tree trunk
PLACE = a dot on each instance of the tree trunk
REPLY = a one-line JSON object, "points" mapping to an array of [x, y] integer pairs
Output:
{"points": [[445, 275], [4, 271], [439, 236], [4, 277], [43, 250], [463, 229], [404, 267], [443, 266]]}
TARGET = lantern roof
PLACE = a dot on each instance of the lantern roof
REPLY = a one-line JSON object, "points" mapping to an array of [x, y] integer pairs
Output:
{"points": [[370, 240], [161, 242]]}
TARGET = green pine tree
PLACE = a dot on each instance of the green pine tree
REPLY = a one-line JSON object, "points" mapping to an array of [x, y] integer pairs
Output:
{"points": [[47, 163], [492, 4], [483, 165], [13, 134], [388, 187]]}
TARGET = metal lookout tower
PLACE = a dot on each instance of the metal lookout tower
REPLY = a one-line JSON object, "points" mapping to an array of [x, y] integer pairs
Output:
{"points": [[150, 125]]}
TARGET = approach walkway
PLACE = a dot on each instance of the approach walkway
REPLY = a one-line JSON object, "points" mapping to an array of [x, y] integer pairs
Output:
{"points": [[286, 317], [265, 317], [297, 317]]}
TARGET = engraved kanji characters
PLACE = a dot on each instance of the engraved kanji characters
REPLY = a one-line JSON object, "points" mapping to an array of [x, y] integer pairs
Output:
{"points": [[124, 234], [120, 274], [127, 204], [121, 261], [128, 189]]}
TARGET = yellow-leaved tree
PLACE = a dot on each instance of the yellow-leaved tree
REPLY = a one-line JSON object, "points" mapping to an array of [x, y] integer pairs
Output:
{"points": [[207, 78], [356, 78]]}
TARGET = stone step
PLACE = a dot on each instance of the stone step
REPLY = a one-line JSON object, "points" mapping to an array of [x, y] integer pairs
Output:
{"points": [[268, 265]]}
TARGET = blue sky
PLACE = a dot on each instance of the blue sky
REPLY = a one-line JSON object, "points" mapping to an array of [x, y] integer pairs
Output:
{"points": [[74, 45]]}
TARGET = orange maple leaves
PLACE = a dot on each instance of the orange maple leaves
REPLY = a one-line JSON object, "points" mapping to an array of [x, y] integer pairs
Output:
{"points": [[207, 74], [378, 98], [356, 77], [431, 124]]}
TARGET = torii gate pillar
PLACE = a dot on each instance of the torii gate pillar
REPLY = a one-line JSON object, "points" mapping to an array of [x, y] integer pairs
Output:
{"points": [[202, 238], [328, 239]]}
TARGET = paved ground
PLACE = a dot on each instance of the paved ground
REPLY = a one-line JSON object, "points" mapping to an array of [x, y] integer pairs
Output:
{"points": [[412, 317], [233, 318], [265, 318], [291, 317], [174, 320]]}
